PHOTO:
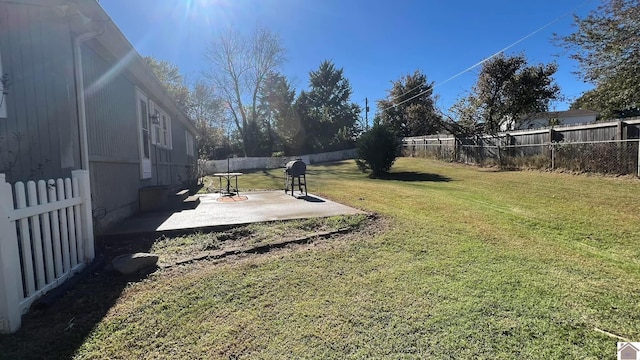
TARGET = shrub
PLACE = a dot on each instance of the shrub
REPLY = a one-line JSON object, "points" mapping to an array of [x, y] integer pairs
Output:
{"points": [[377, 150]]}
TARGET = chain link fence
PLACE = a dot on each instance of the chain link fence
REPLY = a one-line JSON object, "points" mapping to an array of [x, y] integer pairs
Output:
{"points": [[616, 157]]}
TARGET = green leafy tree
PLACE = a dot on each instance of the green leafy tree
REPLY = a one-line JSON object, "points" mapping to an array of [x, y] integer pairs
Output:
{"points": [[466, 111], [507, 90], [377, 149], [326, 112], [170, 76], [606, 44], [410, 106]]}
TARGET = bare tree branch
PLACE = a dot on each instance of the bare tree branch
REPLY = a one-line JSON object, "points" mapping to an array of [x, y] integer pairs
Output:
{"points": [[239, 67]]}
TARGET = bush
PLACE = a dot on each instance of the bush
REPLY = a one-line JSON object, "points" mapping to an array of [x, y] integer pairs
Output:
{"points": [[377, 150]]}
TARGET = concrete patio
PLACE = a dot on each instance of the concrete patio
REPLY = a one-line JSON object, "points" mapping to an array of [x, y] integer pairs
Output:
{"points": [[219, 211]]}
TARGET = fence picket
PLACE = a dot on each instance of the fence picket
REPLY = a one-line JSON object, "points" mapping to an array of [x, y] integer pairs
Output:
{"points": [[86, 236], [64, 230], [10, 276], [36, 237], [78, 220], [73, 246], [55, 228], [25, 241], [46, 236], [46, 233]]}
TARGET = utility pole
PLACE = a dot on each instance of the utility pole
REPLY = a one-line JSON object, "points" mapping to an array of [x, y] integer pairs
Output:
{"points": [[366, 112]]}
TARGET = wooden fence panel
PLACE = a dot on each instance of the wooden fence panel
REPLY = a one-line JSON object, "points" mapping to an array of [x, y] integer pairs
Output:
{"points": [[47, 235], [535, 147]]}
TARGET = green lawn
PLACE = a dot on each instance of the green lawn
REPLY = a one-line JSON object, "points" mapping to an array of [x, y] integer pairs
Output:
{"points": [[470, 263]]}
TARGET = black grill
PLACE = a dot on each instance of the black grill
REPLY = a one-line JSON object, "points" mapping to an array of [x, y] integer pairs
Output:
{"points": [[295, 169]]}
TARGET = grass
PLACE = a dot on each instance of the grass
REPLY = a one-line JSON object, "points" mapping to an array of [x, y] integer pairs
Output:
{"points": [[472, 263]]}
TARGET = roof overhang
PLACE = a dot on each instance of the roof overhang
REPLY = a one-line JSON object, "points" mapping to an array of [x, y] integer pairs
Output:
{"points": [[95, 18]]}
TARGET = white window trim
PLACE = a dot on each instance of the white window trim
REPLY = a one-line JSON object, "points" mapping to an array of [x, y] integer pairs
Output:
{"points": [[3, 96], [190, 143], [158, 131], [167, 131], [145, 163]]}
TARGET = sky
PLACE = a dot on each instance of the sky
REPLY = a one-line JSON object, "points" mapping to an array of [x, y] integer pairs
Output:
{"points": [[374, 42]]}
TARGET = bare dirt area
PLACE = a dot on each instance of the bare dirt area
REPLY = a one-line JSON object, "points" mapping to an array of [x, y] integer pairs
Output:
{"points": [[59, 324]]}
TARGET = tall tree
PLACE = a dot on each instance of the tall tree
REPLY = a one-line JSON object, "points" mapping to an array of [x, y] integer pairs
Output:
{"points": [[170, 76], [326, 111], [410, 106], [276, 111], [207, 110], [239, 68], [507, 90], [606, 44], [466, 112]]}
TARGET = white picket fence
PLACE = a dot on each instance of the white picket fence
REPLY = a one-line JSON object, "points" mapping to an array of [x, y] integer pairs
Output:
{"points": [[46, 235]]}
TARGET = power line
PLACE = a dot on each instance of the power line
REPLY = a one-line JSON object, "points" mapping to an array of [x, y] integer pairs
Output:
{"points": [[487, 58]]}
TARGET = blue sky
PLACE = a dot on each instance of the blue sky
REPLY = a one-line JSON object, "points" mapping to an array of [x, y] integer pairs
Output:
{"points": [[375, 42]]}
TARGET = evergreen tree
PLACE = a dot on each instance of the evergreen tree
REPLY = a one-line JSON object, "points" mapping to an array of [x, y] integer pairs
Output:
{"points": [[326, 112]]}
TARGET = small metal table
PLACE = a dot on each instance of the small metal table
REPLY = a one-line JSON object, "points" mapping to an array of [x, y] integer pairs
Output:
{"points": [[228, 189]]}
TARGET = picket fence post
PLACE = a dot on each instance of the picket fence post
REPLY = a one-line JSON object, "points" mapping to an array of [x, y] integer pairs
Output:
{"points": [[10, 272], [85, 214]]}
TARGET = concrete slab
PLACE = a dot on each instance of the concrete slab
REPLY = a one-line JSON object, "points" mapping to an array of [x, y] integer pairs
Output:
{"points": [[259, 206]]}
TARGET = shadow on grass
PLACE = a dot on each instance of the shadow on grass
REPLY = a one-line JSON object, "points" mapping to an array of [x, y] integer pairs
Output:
{"points": [[58, 324], [414, 176], [273, 173]]}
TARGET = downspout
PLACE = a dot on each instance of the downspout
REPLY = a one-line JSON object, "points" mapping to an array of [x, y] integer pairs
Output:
{"points": [[80, 96]]}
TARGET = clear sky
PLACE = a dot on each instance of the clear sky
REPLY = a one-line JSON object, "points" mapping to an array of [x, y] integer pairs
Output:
{"points": [[375, 42]]}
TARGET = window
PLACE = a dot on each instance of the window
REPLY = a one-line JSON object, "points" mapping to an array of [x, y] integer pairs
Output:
{"points": [[145, 138], [3, 95], [156, 128], [165, 131], [190, 145], [161, 128]]}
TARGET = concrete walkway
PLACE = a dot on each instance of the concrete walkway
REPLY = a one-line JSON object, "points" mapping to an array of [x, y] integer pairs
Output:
{"points": [[216, 211]]}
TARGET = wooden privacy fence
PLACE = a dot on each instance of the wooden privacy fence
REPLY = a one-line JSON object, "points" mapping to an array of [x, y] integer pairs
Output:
{"points": [[46, 234], [604, 147]]}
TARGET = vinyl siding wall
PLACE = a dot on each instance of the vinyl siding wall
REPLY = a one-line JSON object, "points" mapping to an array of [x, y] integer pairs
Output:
{"points": [[113, 137], [39, 137]]}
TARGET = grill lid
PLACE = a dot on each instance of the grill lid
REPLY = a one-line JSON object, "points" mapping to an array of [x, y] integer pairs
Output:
{"points": [[296, 168]]}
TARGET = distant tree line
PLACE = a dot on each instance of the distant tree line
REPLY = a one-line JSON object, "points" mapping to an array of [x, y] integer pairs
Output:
{"points": [[244, 106]]}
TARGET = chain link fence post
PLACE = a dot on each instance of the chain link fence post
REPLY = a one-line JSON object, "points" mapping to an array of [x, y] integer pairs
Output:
{"points": [[638, 159]]}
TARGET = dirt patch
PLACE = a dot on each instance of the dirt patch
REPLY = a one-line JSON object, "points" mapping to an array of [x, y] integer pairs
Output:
{"points": [[55, 330]]}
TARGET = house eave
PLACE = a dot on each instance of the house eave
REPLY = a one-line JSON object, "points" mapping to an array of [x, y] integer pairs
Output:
{"points": [[114, 41]]}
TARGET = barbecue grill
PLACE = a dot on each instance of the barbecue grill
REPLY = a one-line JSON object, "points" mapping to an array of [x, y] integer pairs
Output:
{"points": [[295, 169]]}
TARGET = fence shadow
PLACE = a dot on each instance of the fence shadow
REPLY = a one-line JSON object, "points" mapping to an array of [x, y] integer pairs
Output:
{"points": [[415, 176], [58, 324]]}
